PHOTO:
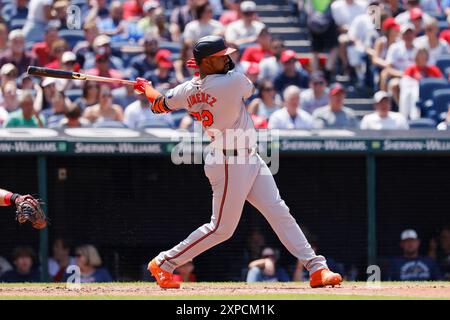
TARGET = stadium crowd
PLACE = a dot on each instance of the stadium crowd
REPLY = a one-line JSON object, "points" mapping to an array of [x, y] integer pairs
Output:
{"points": [[397, 51]]}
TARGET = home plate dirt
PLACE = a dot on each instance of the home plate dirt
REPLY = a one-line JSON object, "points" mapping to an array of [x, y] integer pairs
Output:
{"points": [[206, 290]]}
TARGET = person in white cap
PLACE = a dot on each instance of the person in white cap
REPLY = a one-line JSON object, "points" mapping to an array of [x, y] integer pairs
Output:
{"points": [[246, 29], [383, 118], [16, 54], [102, 46], [266, 268], [203, 26], [411, 266]]}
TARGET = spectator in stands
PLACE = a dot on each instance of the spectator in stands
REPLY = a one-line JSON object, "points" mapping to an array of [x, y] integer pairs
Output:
{"points": [[5, 266], [124, 95], [421, 68], [267, 100], [251, 72], [185, 273], [57, 50], [246, 29], [105, 110], [69, 63], [25, 82], [55, 114], [291, 116], [60, 13], [98, 9], [411, 266], [89, 261], [84, 50], [148, 21], [233, 12], [202, 26], [26, 116], [42, 50], [439, 251], [102, 46], [90, 97], [266, 269], [114, 26], [344, 12], [3, 38], [39, 13], [16, 54], [72, 117], [181, 16], [182, 73], [160, 29], [163, 78], [290, 75], [436, 47], [335, 115], [133, 9], [60, 260], [139, 114], [445, 34], [146, 61], [8, 72], [103, 69], [317, 94], [399, 56], [413, 13], [383, 118], [23, 258], [45, 93], [18, 10], [9, 97], [390, 30], [261, 50]]}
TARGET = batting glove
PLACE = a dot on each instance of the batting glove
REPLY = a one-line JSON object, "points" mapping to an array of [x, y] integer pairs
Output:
{"points": [[140, 84]]}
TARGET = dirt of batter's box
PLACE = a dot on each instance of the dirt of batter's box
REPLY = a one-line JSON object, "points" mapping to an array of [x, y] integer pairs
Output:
{"points": [[411, 290]]}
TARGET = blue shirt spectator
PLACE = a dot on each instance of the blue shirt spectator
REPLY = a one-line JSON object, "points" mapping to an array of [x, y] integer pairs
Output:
{"points": [[24, 269], [266, 269], [290, 75]]}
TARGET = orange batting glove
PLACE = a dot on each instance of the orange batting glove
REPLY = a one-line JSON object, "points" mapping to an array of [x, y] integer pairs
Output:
{"points": [[140, 84]]}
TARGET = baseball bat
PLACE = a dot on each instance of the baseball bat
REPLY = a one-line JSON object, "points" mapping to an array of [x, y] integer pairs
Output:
{"points": [[63, 74]]}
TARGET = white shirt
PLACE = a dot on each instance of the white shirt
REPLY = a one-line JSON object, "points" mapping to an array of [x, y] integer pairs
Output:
{"points": [[3, 116], [238, 30], [195, 30], [36, 10], [404, 18], [361, 28], [281, 119], [399, 56], [441, 49], [134, 115], [393, 121], [343, 13]]}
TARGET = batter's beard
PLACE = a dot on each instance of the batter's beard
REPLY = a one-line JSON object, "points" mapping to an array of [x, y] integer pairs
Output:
{"points": [[228, 66]]}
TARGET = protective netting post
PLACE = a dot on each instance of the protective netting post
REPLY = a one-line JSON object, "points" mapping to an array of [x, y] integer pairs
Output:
{"points": [[43, 234]]}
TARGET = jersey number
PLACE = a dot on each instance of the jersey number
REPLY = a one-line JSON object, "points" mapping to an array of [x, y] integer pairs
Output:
{"points": [[205, 117]]}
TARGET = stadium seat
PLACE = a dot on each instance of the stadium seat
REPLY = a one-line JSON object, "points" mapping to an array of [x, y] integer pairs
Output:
{"points": [[426, 88], [443, 63], [422, 123], [109, 124], [72, 37], [440, 104], [73, 94], [17, 23], [153, 123]]}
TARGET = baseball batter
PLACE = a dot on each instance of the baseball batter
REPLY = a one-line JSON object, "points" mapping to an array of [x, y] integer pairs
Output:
{"points": [[235, 171]]}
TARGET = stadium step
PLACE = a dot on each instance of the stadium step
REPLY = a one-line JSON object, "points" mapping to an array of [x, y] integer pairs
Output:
{"points": [[271, 10]]}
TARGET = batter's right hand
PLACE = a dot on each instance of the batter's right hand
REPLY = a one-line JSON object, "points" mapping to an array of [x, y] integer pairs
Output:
{"points": [[140, 84]]}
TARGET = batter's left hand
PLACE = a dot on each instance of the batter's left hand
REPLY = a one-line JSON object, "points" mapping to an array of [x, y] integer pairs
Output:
{"points": [[140, 84]]}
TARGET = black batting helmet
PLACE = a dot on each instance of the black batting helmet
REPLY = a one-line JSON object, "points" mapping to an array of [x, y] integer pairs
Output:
{"points": [[210, 46]]}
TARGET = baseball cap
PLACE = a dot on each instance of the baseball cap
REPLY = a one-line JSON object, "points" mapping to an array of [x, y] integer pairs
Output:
{"points": [[288, 55], [7, 68], [150, 5], [101, 40], [380, 95], [253, 68], [248, 6], [407, 27], [47, 82], [268, 252], [415, 13], [17, 33], [68, 56], [409, 234], [390, 23], [211, 46], [336, 88]]}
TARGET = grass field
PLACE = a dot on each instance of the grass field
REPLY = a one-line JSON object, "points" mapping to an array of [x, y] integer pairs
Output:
{"points": [[229, 291]]}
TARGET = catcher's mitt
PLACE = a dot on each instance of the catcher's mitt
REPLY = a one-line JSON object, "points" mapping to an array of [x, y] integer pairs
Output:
{"points": [[29, 209]]}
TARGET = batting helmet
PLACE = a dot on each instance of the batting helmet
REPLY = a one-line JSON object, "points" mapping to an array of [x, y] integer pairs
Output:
{"points": [[210, 46]]}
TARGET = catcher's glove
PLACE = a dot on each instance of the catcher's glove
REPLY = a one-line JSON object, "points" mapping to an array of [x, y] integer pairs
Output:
{"points": [[29, 209]]}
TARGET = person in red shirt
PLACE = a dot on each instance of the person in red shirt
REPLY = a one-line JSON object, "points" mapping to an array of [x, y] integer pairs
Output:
{"points": [[57, 50], [421, 69], [259, 51], [42, 49], [102, 69], [133, 9]]}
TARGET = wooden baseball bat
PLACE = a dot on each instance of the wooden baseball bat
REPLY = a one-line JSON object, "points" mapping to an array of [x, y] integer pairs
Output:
{"points": [[63, 74]]}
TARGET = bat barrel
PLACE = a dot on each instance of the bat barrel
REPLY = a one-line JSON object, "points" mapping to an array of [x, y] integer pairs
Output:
{"points": [[53, 73]]}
